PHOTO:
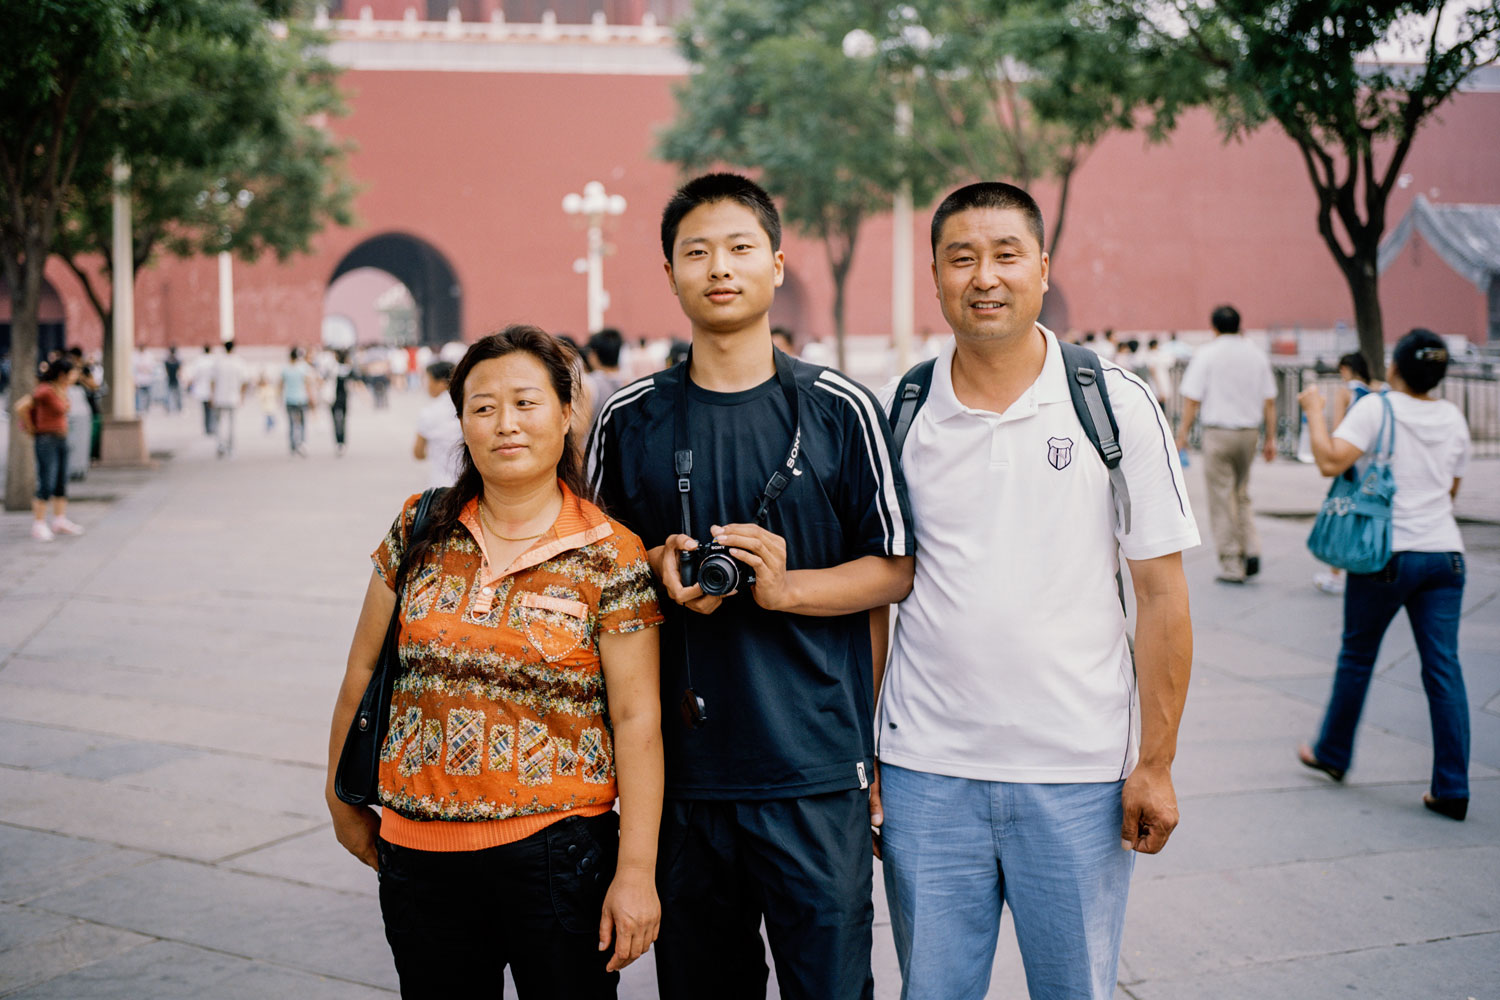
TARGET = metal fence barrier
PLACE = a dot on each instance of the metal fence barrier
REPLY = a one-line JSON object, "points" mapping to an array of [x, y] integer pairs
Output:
{"points": [[1473, 387]]}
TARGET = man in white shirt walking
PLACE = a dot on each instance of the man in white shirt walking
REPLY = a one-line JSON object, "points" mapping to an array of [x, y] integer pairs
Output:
{"points": [[1229, 384], [1015, 769], [229, 379]]}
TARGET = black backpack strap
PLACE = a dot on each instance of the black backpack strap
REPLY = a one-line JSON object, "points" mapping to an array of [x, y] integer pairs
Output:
{"points": [[1091, 403], [910, 395]]}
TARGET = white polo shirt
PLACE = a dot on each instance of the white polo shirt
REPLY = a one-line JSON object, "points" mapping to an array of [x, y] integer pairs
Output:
{"points": [[1010, 660], [1231, 379]]}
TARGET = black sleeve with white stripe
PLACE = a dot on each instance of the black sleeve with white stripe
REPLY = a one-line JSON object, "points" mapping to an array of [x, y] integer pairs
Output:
{"points": [[872, 493]]}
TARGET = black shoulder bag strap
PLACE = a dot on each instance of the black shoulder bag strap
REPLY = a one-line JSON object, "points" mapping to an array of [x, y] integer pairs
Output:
{"points": [[357, 779], [1091, 403], [694, 708], [910, 395]]}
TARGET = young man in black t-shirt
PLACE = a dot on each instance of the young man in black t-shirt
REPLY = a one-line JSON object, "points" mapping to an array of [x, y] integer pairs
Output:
{"points": [[769, 690]]}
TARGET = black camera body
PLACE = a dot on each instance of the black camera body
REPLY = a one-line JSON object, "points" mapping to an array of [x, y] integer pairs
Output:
{"points": [[711, 567]]}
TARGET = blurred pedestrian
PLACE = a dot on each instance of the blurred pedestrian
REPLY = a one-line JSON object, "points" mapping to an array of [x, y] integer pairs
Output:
{"points": [[201, 386], [265, 395], [44, 415], [299, 385], [1425, 574], [172, 365], [338, 406], [529, 693], [230, 380], [1230, 381], [605, 377], [439, 435]]}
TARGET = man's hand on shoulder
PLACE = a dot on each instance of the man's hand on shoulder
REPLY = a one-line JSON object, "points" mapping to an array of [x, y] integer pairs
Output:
{"points": [[663, 560], [1150, 809]]}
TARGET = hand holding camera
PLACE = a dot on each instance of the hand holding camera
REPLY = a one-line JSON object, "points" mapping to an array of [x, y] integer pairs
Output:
{"points": [[666, 561], [760, 555]]}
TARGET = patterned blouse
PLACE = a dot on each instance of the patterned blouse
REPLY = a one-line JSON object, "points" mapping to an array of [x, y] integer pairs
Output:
{"points": [[499, 724]]}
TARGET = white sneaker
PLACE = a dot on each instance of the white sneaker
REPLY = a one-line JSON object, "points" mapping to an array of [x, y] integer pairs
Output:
{"points": [[40, 531], [62, 526], [1329, 583]]}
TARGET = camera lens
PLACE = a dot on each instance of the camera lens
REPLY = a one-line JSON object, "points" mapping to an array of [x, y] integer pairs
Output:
{"points": [[717, 575]]}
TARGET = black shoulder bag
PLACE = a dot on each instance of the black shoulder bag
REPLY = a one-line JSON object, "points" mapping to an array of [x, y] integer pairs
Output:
{"points": [[357, 780]]}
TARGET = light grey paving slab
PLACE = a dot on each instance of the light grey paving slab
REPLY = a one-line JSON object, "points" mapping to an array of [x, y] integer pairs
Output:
{"points": [[1211, 767], [292, 691], [1262, 716], [36, 946], [123, 760], [33, 862], [315, 930], [1465, 968], [182, 825], [1230, 650], [26, 745], [1320, 821], [316, 858], [239, 783], [1305, 909], [26, 614], [233, 730], [169, 970]]}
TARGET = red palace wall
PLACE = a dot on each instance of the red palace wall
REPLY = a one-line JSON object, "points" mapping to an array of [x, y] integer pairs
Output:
{"points": [[477, 164]]}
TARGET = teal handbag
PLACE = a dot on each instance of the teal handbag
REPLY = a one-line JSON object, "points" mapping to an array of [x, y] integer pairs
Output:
{"points": [[1353, 528]]}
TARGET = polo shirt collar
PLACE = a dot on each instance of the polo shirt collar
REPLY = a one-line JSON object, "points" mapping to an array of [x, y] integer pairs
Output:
{"points": [[1051, 385], [578, 523]]}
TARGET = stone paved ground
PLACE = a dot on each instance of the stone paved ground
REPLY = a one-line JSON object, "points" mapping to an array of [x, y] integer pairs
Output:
{"points": [[165, 684]]}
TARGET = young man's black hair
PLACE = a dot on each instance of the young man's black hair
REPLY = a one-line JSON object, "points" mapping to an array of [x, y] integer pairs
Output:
{"points": [[1422, 359], [1226, 319], [710, 188], [988, 194]]}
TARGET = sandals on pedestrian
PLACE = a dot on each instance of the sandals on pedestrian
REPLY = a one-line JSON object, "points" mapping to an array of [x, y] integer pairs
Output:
{"points": [[1452, 808], [1310, 759]]}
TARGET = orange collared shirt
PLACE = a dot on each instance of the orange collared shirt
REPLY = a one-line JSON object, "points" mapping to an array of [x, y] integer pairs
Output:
{"points": [[499, 725]]}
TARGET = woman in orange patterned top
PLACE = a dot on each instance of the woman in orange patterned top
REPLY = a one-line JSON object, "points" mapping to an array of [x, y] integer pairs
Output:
{"points": [[528, 695]]}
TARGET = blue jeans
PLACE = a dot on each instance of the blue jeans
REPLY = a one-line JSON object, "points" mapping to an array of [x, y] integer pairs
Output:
{"points": [[296, 424], [1430, 585], [956, 850], [51, 465]]}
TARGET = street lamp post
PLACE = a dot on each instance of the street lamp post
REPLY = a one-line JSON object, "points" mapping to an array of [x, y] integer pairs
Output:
{"points": [[594, 204]]}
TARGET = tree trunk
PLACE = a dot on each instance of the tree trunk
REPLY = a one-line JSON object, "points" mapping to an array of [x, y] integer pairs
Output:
{"points": [[1364, 286], [26, 295], [840, 250]]}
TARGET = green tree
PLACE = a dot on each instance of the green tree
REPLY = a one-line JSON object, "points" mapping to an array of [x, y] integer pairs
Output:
{"points": [[1312, 67], [191, 92], [773, 92], [266, 176], [1024, 89]]}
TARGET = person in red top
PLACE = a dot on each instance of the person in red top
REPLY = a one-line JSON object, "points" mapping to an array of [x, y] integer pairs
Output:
{"points": [[527, 699], [44, 415]]}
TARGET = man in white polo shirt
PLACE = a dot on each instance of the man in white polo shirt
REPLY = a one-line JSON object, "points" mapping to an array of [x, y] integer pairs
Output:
{"points": [[1016, 767], [1230, 384]]}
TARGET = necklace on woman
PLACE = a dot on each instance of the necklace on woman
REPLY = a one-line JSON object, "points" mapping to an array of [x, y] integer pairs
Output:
{"points": [[490, 526]]}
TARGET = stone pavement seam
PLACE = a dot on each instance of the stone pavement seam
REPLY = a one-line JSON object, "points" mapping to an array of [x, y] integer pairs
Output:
{"points": [[320, 769]]}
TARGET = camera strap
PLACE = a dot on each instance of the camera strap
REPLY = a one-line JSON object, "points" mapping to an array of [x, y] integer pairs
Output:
{"points": [[682, 454]]}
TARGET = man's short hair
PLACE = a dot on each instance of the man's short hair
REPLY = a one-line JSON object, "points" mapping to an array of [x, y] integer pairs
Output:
{"points": [[1422, 359], [989, 194], [605, 346], [440, 371], [1226, 319], [711, 188]]}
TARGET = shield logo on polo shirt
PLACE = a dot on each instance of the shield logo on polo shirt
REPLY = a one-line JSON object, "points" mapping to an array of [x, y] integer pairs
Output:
{"points": [[1059, 452]]}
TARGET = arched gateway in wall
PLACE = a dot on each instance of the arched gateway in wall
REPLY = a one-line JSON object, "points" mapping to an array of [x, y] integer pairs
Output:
{"points": [[424, 271]]}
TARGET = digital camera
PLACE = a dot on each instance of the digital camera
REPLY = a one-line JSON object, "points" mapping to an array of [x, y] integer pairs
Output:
{"points": [[711, 567]]}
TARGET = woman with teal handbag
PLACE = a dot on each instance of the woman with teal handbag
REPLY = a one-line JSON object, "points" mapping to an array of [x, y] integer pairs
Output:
{"points": [[1419, 445]]}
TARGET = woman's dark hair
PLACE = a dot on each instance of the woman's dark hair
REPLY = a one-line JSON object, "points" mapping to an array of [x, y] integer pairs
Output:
{"points": [[55, 370], [1357, 364], [556, 359], [1422, 359]]}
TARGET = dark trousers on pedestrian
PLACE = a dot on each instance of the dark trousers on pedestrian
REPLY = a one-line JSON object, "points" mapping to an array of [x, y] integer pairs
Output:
{"points": [[804, 865], [208, 417], [456, 919], [1430, 585], [340, 416]]}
